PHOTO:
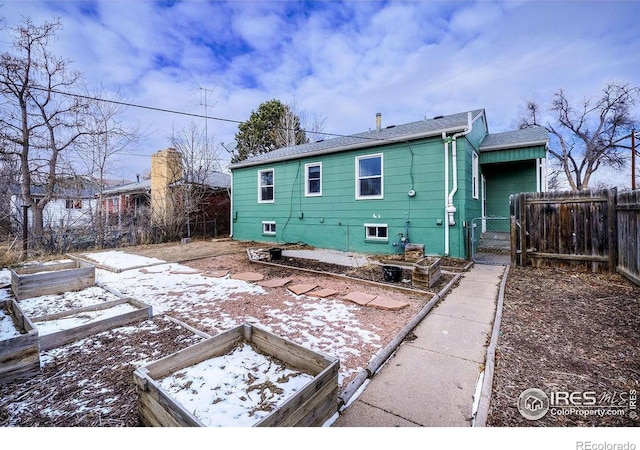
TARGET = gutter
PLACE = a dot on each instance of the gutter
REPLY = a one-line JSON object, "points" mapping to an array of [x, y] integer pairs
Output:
{"points": [[367, 143], [484, 148]]}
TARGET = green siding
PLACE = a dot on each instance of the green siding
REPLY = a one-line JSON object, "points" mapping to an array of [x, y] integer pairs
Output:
{"points": [[506, 179], [514, 154], [336, 219]]}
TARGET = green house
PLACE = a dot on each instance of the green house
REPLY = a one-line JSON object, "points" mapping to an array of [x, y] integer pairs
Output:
{"points": [[422, 182]]}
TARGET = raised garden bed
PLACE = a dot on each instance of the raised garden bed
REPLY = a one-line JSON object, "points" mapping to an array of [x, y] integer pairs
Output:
{"points": [[58, 329], [237, 389], [19, 345], [56, 278], [426, 272]]}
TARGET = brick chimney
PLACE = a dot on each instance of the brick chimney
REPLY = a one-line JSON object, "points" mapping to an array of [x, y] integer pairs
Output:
{"points": [[166, 168]]}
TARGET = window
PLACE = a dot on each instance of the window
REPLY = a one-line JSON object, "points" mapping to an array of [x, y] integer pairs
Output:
{"points": [[313, 179], [73, 204], [369, 177], [265, 186], [474, 175], [269, 228], [376, 231]]}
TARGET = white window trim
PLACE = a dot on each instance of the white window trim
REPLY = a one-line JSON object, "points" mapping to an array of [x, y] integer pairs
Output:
{"points": [[260, 172], [306, 180], [264, 228], [370, 197], [475, 175], [376, 238]]}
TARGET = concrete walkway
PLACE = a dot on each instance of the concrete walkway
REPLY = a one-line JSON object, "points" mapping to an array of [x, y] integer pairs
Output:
{"points": [[432, 380]]}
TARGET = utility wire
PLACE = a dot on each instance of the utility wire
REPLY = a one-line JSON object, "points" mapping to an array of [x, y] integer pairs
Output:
{"points": [[200, 116]]}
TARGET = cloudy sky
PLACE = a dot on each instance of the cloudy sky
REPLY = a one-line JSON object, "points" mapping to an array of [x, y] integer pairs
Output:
{"points": [[338, 61]]}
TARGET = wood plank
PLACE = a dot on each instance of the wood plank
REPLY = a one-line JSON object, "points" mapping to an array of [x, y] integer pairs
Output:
{"points": [[45, 268], [60, 338], [588, 258], [194, 354], [291, 353], [160, 409], [51, 282], [329, 377], [80, 309], [313, 411]]}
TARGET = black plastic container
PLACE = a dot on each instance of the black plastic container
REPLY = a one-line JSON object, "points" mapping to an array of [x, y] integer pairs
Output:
{"points": [[275, 253], [392, 273]]}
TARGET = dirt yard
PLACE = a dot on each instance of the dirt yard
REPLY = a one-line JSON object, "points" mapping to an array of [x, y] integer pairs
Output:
{"points": [[561, 331], [90, 383], [568, 331]]}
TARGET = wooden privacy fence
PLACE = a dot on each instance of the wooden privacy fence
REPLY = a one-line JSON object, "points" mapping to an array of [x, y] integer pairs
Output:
{"points": [[589, 230]]}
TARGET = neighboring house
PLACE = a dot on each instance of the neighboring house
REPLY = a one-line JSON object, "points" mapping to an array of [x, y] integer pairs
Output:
{"points": [[145, 201], [373, 192], [124, 205], [72, 206]]}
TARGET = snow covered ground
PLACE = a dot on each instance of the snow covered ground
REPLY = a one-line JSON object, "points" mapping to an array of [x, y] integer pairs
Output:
{"points": [[234, 390], [7, 326], [121, 260], [75, 320], [213, 302]]}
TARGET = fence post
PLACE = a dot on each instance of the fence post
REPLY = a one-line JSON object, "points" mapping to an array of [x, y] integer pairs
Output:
{"points": [[612, 212], [523, 229], [513, 207]]}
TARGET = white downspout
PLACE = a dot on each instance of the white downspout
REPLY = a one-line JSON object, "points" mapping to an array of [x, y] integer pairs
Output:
{"points": [[446, 192], [449, 208]]}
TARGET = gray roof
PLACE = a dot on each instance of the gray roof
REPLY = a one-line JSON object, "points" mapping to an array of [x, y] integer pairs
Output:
{"points": [[219, 180], [525, 137], [129, 188], [399, 133]]}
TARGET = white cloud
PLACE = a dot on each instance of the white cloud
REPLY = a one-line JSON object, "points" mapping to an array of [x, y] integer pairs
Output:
{"points": [[342, 60]]}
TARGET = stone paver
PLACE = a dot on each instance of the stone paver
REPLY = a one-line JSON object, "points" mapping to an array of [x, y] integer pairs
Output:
{"points": [[216, 273], [361, 298], [323, 293], [387, 303], [248, 276], [275, 282], [300, 289]]}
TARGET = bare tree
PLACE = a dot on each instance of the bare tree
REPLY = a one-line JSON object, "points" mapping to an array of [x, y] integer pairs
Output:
{"points": [[36, 116], [292, 120], [9, 170], [198, 150], [200, 169], [107, 137], [590, 135]]}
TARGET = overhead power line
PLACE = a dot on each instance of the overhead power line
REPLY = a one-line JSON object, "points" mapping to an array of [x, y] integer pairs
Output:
{"points": [[182, 113]]}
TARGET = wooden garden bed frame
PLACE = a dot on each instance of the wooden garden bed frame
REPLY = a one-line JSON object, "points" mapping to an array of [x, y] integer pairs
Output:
{"points": [[48, 279], [426, 272], [311, 406], [19, 355], [60, 338]]}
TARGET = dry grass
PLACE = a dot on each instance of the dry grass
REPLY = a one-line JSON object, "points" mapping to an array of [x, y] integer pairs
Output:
{"points": [[9, 256]]}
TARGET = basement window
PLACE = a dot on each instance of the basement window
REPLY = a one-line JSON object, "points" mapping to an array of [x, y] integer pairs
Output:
{"points": [[266, 186], [269, 228], [376, 232]]}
